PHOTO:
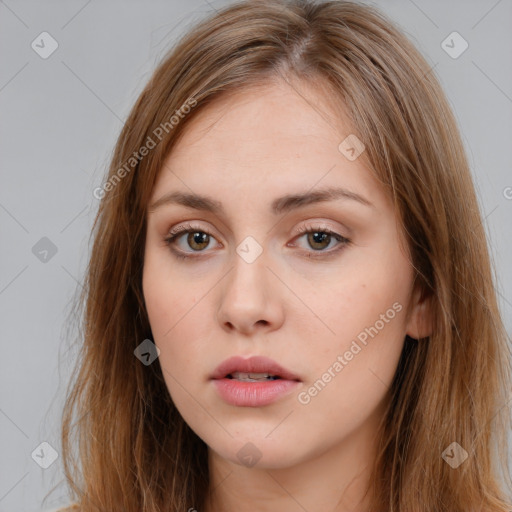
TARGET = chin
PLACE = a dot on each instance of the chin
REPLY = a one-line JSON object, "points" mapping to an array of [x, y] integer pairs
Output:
{"points": [[259, 452]]}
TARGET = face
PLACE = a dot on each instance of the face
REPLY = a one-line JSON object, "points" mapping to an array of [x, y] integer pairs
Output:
{"points": [[322, 288]]}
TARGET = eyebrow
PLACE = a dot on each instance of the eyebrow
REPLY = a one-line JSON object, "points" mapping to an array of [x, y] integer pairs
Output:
{"points": [[280, 205]]}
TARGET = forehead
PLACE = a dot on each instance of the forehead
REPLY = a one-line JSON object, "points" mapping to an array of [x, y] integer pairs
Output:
{"points": [[272, 139], [266, 113]]}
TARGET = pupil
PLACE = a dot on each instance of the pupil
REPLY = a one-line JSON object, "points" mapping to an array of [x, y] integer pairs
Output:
{"points": [[198, 238], [319, 238]]}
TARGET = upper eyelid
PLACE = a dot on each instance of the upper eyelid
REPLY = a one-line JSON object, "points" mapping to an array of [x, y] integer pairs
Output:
{"points": [[188, 226], [305, 224], [182, 229]]}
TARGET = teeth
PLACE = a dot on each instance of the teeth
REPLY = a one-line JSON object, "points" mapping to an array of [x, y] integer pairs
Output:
{"points": [[252, 377]]}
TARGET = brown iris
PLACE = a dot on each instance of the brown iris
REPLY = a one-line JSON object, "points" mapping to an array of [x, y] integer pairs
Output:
{"points": [[198, 237]]}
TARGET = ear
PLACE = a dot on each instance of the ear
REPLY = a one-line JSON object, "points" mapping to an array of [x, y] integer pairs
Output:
{"points": [[420, 323]]}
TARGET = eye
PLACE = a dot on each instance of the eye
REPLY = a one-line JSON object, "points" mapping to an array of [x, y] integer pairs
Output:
{"points": [[319, 238], [197, 239]]}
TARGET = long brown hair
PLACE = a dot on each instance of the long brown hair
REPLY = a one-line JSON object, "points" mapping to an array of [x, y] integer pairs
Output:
{"points": [[135, 452]]}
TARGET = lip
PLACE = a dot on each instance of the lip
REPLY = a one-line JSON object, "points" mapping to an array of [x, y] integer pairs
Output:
{"points": [[255, 364], [253, 394]]}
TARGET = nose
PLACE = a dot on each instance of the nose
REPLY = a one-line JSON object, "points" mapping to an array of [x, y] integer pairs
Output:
{"points": [[250, 299]]}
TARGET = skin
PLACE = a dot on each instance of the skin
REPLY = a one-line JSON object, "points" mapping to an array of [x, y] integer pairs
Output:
{"points": [[244, 150]]}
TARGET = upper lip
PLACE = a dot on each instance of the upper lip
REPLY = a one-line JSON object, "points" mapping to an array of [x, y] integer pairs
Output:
{"points": [[255, 364]]}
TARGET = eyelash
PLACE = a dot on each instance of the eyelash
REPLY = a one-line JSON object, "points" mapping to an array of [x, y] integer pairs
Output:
{"points": [[176, 233]]}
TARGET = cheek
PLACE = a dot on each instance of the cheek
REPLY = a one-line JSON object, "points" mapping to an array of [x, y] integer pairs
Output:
{"points": [[174, 313], [170, 320], [360, 302], [353, 373], [170, 316], [164, 292], [367, 318]]}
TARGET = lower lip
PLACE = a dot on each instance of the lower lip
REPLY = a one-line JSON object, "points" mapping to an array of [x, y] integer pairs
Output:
{"points": [[253, 394]]}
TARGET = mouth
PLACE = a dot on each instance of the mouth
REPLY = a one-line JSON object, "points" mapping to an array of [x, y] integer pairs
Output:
{"points": [[253, 369], [251, 377], [254, 382]]}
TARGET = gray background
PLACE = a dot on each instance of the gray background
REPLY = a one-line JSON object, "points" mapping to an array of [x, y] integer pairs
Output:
{"points": [[59, 120]]}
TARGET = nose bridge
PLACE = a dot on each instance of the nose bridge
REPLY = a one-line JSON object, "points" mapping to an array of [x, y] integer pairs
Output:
{"points": [[248, 278], [247, 298]]}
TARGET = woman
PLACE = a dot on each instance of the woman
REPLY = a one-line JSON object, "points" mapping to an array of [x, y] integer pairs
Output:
{"points": [[289, 303]]}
